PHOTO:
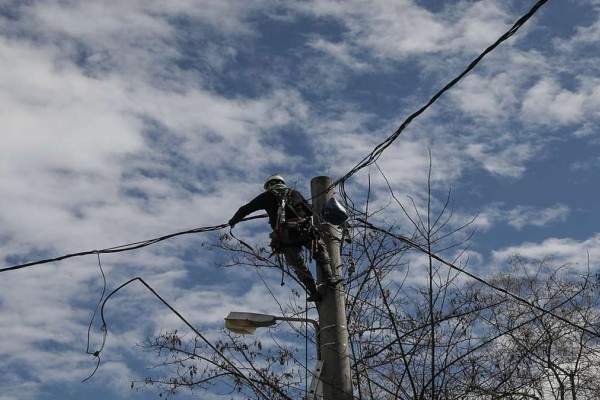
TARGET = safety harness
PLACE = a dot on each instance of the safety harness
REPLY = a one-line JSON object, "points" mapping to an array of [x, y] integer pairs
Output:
{"points": [[290, 229]]}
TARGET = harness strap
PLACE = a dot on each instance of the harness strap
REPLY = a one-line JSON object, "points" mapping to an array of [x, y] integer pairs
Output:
{"points": [[280, 265], [282, 197]]}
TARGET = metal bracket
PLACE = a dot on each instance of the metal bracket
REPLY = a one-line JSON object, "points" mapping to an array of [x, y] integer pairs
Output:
{"points": [[315, 392]]}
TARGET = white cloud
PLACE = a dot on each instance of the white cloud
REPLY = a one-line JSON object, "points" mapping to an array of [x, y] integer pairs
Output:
{"points": [[586, 165], [340, 52], [506, 160], [115, 129], [397, 29], [523, 216], [561, 250], [139, 18], [486, 96], [583, 36], [96, 22], [547, 103]]}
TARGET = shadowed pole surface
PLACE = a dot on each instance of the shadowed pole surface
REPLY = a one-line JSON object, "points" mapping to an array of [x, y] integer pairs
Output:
{"points": [[337, 383]]}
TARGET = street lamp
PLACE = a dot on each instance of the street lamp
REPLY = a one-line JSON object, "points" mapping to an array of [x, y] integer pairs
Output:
{"points": [[246, 323]]}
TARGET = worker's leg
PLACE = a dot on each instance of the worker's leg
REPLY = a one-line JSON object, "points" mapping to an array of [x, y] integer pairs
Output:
{"points": [[324, 262], [295, 258]]}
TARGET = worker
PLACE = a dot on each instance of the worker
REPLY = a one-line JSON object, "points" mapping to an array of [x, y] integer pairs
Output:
{"points": [[290, 217]]}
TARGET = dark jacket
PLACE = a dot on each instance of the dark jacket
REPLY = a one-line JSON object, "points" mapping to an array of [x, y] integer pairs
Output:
{"points": [[268, 201]]}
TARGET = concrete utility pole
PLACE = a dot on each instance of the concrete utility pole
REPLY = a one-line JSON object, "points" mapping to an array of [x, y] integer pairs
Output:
{"points": [[337, 383]]}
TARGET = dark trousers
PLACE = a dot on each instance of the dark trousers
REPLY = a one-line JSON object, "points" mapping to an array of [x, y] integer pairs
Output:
{"points": [[294, 256]]}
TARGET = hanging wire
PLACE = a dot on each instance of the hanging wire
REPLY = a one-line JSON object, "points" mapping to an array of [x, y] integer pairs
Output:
{"points": [[340, 183], [306, 344], [96, 354], [125, 247], [185, 321], [379, 149], [374, 155], [87, 349]]}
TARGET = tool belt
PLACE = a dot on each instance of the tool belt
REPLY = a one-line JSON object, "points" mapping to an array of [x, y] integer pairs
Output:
{"points": [[294, 232]]}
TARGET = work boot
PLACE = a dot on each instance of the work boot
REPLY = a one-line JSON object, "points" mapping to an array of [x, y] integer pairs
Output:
{"points": [[311, 288], [333, 281], [329, 279]]}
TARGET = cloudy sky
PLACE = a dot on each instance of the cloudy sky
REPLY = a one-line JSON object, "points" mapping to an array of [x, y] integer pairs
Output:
{"points": [[126, 120]]}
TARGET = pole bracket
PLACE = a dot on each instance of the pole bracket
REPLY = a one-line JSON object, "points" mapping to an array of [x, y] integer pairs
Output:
{"points": [[315, 392]]}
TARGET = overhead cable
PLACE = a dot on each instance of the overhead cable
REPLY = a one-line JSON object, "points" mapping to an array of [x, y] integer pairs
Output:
{"points": [[380, 148], [239, 373], [368, 160], [125, 247], [422, 249]]}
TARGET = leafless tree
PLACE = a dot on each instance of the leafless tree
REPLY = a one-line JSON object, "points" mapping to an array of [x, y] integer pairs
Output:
{"points": [[420, 326]]}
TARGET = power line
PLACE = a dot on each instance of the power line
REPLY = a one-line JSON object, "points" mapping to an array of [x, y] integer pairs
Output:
{"points": [[381, 147], [368, 160], [124, 247], [185, 321], [417, 246]]}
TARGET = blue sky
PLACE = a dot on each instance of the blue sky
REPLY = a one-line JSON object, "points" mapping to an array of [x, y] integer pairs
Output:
{"points": [[123, 121]]}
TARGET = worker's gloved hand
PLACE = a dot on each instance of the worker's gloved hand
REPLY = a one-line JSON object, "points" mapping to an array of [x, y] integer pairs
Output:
{"points": [[231, 223]]}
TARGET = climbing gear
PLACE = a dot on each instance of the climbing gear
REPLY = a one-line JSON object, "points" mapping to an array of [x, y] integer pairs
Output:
{"points": [[281, 266], [333, 281], [330, 279], [273, 178], [289, 229], [283, 197]]}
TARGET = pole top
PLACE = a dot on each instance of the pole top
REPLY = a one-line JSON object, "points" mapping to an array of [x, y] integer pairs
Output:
{"points": [[324, 178]]}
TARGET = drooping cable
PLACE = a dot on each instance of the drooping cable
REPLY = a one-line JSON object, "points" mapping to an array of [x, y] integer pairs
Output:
{"points": [[239, 373], [125, 247], [87, 349]]}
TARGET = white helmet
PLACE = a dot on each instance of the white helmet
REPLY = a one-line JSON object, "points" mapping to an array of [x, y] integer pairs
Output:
{"points": [[273, 178]]}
